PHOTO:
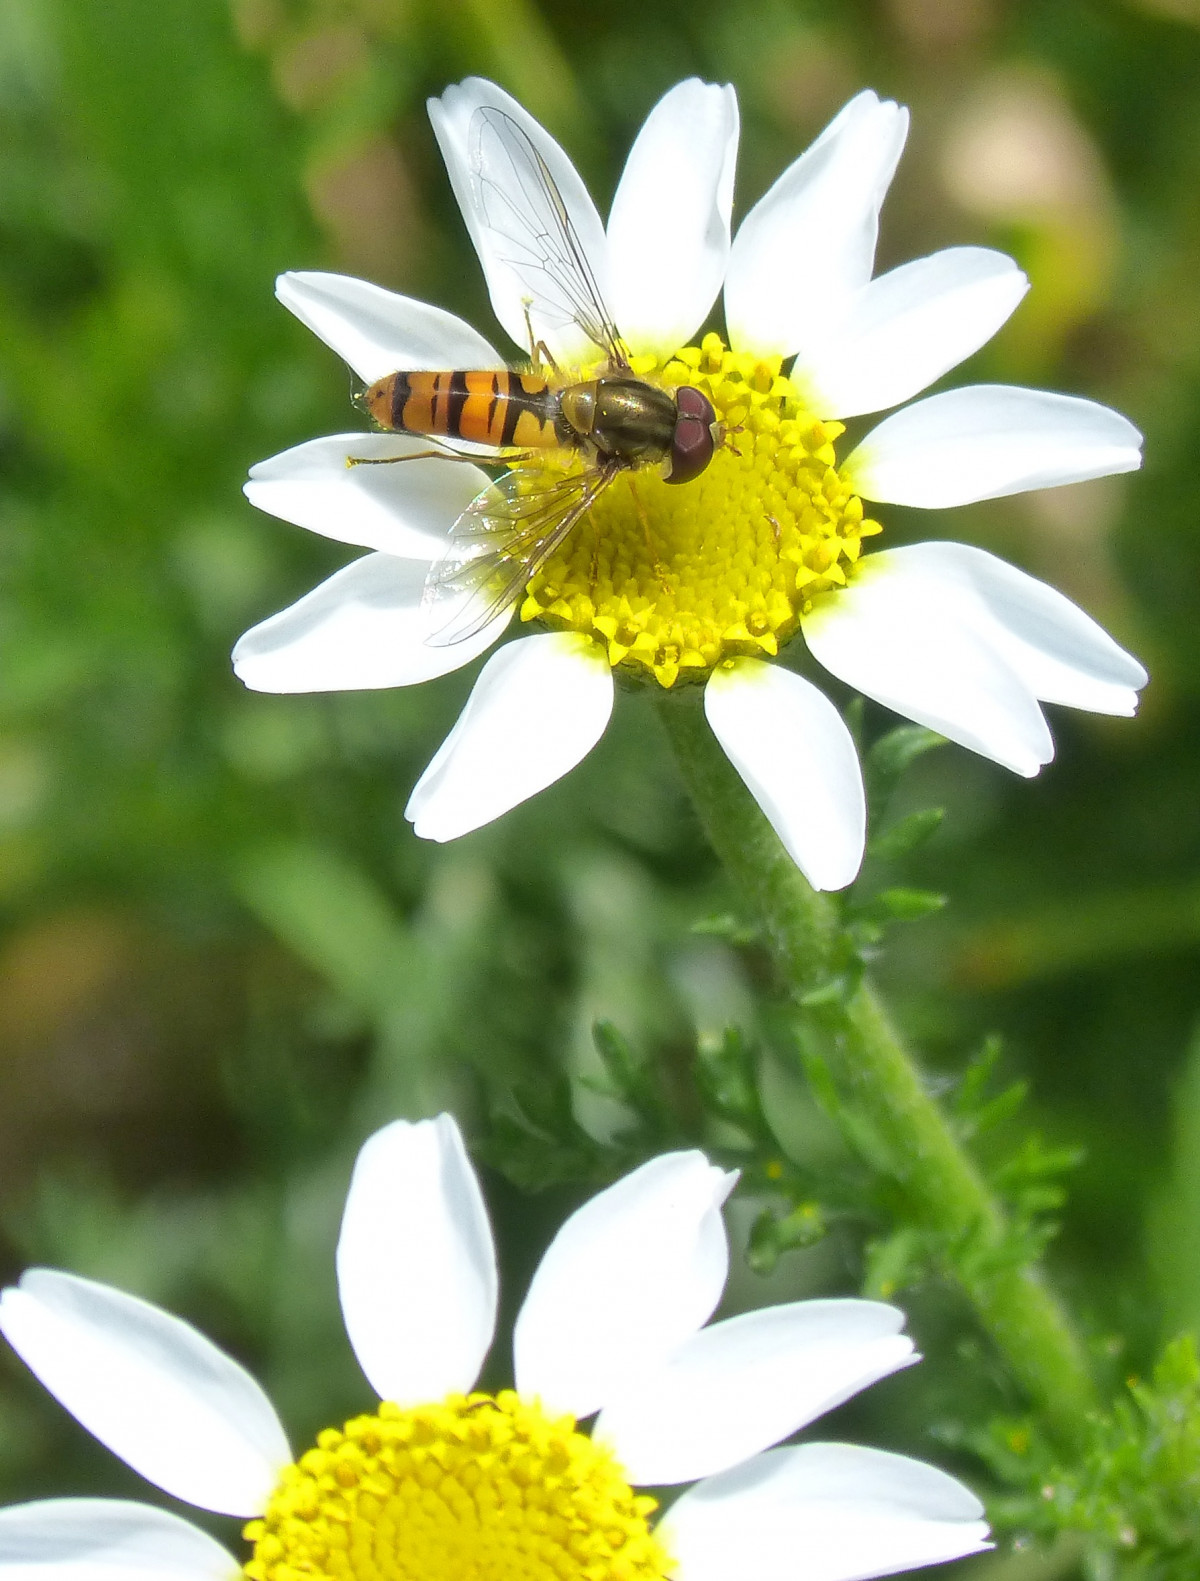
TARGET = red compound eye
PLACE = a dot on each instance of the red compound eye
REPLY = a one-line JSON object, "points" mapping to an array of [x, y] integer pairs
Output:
{"points": [[693, 442]]}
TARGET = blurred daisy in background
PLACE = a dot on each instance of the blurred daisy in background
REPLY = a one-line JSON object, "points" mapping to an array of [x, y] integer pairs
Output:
{"points": [[704, 581], [439, 1482]]}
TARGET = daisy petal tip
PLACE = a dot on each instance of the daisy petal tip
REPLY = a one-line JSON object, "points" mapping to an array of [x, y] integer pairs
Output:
{"points": [[238, 661], [894, 120], [426, 827], [1123, 702], [831, 880], [868, 100], [436, 111], [294, 285], [905, 1355], [1026, 761], [255, 677], [11, 1302]]}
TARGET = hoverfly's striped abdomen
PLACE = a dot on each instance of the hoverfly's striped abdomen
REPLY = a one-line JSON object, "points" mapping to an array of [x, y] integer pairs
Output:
{"points": [[502, 409]]}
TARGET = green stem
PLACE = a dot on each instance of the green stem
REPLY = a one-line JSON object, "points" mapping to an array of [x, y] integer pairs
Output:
{"points": [[848, 1042]]}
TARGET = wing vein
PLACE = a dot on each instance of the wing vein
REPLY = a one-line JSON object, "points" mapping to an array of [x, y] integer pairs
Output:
{"points": [[508, 535]]}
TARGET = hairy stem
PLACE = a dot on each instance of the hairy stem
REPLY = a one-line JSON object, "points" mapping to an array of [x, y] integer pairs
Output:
{"points": [[863, 1068]]}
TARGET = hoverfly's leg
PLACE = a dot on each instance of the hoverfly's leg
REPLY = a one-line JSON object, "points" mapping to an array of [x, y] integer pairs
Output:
{"points": [[661, 571], [508, 459], [414, 455], [539, 352], [726, 441]]}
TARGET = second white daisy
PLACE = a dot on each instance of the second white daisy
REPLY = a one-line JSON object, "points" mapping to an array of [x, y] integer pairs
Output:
{"points": [[439, 1482]]}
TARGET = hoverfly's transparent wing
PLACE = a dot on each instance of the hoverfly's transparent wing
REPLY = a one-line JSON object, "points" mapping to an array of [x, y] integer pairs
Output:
{"points": [[519, 201], [498, 544]]}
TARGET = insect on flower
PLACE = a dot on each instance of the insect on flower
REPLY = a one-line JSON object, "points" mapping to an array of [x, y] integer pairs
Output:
{"points": [[615, 422], [765, 564]]}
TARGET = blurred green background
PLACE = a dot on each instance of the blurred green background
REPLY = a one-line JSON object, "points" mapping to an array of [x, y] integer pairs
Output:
{"points": [[223, 956]]}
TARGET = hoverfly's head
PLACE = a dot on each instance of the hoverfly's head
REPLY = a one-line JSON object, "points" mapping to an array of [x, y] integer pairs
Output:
{"points": [[697, 435]]}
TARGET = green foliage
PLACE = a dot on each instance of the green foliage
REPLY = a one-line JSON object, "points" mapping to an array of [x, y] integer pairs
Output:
{"points": [[224, 957], [907, 834], [1175, 1211], [886, 763], [1135, 1490]]}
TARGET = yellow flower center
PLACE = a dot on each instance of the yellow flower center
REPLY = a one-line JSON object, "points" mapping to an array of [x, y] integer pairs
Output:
{"points": [[477, 1488], [673, 578]]}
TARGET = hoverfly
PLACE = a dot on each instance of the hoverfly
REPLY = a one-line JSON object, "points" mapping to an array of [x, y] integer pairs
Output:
{"points": [[615, 421]]}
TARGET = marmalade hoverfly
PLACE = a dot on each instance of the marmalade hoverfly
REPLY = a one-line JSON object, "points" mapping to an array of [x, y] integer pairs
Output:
{"points": [[616, 421]]}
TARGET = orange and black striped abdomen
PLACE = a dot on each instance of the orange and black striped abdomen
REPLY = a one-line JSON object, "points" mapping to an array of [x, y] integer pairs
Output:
{"points": [[502, 409]]}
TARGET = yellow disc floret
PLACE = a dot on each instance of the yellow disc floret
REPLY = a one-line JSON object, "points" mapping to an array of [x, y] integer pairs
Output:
{"points": [[672, 579], [476, 1488]]}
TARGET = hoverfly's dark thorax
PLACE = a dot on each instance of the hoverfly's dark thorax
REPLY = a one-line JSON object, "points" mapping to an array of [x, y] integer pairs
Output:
{"points": [[633, 421]]}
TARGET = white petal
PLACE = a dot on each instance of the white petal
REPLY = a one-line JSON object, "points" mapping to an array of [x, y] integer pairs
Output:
{"points": [[379, 332], [405, 508], [1060, 653], [822, 1512], [988, 440], [365, 627], [538, 707], [416, 1265], [628, 1279], [151, 1388], [894, 635], [789, 744], [809, 244], [668, 232], [505, 208], [907, 328], [106, 1540], [738, 1387]]}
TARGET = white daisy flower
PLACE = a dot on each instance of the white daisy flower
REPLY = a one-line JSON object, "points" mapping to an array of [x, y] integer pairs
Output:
{"points": [[705, 581], [440, 1482]]}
